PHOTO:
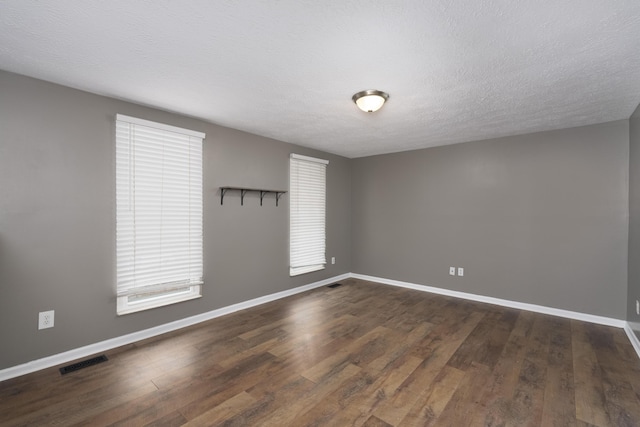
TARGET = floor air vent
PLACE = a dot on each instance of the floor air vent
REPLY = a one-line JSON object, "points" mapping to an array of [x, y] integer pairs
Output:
{"points": [[335, 285], [83, 364]]}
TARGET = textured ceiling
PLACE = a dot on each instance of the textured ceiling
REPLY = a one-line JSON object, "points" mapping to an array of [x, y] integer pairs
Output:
{"points": [[456, 70]]}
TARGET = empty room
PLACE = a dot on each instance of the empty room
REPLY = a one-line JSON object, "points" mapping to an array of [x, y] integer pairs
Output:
{"points": [[319, 213]]}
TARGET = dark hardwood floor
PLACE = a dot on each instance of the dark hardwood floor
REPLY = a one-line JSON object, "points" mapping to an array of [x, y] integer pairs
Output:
{"points": [[359, 354]]}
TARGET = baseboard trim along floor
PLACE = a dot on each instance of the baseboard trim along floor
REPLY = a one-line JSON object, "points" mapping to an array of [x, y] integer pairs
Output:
{"points": [[633, 338], [109, 344], [102, 346], [601, 320]]}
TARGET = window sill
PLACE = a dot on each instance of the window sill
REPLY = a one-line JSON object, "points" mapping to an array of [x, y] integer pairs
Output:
{"points": [[127, 307], [304, 270]]}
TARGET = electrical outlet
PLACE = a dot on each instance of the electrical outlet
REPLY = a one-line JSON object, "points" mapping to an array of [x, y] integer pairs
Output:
{"points": [[452, 271], [460, 271], [637, 307], [45, 319], [333, 260]]}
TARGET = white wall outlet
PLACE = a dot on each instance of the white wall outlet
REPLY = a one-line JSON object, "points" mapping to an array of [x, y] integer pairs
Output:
{"points": [[45, 319], [637, 307], [333, 260], [460, 271], [452, 271]]}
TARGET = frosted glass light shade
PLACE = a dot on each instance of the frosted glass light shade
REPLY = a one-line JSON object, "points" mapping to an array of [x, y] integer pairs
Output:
{"points": [[370, 100]]}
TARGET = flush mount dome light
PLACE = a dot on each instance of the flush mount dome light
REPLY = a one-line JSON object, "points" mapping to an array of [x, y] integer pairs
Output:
{"points": [[370, 100]]}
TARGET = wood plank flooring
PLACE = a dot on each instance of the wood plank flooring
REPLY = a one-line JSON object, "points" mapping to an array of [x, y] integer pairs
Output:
{"points": [[362, 354]]}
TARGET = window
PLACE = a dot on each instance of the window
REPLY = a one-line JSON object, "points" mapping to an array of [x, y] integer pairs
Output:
{"points": [[159, 257], [307, 211]]}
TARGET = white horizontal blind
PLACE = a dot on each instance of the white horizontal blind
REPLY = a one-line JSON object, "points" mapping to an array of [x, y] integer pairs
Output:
{"points": [[158, 209], [307, 212]]}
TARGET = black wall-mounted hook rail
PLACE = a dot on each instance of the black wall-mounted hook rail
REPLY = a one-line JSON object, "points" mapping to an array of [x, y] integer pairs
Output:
{"points": [[244, 190], [223, 190]]}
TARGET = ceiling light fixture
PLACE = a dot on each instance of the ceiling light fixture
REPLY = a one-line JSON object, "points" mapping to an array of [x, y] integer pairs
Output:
{"points": [[370, 100]]}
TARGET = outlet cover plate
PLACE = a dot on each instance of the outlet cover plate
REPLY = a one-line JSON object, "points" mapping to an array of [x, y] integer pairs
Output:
{"points": [[45, 319], [452, 271], [460, 271]]}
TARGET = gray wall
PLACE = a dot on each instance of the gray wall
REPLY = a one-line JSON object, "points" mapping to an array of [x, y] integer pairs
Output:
{"points": [[57, 219], [539, 218], [634, 221]]}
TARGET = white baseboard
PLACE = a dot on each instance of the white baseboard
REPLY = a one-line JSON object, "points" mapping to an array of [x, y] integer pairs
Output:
{"points": [[82, 352], [633, 338], [608, 321]]}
